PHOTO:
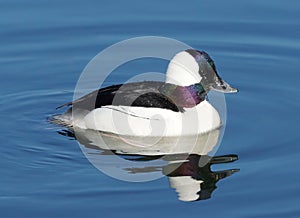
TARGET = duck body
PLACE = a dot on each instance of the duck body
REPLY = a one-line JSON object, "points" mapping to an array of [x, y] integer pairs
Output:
{"points": [[150, 108], [153, 107]]}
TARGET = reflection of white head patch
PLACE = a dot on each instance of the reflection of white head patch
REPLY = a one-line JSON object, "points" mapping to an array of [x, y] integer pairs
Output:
{"points": [[187, 188]]}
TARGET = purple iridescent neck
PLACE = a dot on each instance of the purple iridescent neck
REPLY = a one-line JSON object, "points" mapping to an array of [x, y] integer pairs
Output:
{"points": [[184, 96]]}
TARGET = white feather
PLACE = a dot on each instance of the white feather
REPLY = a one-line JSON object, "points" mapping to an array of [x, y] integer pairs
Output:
{"points": [[183, 70], [140, 121]]}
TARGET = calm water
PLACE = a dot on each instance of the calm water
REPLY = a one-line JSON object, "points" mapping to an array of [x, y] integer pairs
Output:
{"points": [[45, 46]]}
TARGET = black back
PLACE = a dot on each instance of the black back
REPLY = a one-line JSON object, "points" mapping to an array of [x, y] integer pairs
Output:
{"points": [[140, 94]]}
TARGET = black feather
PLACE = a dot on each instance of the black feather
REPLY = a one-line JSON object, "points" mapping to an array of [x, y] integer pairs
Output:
{"points": [[139, 94]]}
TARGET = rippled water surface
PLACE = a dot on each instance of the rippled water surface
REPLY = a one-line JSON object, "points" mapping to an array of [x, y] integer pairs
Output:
{"points": [[45, 45]]}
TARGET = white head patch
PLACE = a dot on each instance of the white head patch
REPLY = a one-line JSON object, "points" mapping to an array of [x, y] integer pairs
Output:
{"points": [[183, 70]]}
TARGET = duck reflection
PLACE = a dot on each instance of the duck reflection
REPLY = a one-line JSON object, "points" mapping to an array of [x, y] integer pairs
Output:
{"points": [[193, 182], [186, 161], [192, 177]]}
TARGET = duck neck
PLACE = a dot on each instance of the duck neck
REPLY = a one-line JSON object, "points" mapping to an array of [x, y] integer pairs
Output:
{"points": [[184, 96]]}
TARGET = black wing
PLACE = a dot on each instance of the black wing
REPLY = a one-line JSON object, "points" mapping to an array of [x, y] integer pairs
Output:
{"points": [[140, 94]]}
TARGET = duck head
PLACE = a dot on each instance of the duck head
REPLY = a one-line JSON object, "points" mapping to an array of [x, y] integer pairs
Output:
{"points": [[192, 66]]}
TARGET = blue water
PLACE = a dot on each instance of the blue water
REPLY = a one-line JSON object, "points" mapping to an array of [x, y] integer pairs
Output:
{"points": [[46, 44]]}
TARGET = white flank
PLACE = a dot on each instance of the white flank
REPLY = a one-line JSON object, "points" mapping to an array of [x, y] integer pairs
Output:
{"points": [[140, 121]]}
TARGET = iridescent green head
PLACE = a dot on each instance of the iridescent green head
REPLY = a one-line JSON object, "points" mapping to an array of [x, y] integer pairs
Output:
{"points": [[210, 79]]}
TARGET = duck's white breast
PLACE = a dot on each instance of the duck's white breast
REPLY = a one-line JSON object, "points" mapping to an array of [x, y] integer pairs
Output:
{"points": [[140, 121]]}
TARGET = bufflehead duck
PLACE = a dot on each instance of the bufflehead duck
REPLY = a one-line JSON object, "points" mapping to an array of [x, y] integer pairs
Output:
{"points": [[175, 107]]}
